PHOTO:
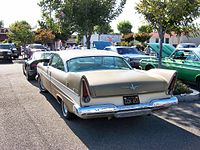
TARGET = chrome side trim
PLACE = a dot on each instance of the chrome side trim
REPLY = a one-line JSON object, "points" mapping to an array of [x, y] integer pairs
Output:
{"points": [[123, 111]]}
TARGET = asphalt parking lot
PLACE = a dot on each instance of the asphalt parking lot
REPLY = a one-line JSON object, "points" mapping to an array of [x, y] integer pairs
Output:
{"points": [[33, 120]]}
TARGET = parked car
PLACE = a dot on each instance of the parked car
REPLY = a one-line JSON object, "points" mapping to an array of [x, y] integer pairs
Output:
{"points": [[29, 66], [5, 52], [132, 54], [186, 61], [31, 48], [186, 45], [12, 47], [93, 83]]}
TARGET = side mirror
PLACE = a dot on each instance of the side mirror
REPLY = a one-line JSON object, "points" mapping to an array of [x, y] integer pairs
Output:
{"points": [[46, 62]]}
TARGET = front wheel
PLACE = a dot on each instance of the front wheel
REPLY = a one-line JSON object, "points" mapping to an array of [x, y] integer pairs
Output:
{"points": [[41, 86], [65, 111]]}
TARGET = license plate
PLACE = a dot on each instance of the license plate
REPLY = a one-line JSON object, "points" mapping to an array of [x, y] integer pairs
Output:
{"points": [[1, 57], [130, 100]]}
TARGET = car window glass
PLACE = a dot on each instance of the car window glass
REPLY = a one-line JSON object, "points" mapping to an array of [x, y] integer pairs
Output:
{"points": [[191, 56], [131, 50], [179, 55], [57, 63], [97, 63], [107, 49]]}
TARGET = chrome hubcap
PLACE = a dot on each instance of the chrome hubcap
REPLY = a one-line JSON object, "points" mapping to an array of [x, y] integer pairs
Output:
{"points": [[41, 85], [65, 111]]}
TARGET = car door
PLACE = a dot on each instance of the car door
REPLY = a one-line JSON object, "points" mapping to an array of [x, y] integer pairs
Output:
{"points": [[175, 62], [190, 67], [56, 74]]}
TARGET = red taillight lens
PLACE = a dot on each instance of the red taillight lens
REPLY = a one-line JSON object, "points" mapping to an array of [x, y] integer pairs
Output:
{"points": [[172, 85], [85, 92]]}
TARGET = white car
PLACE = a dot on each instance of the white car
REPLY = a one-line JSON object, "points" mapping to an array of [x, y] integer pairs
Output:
{"points": [[94, 83]]}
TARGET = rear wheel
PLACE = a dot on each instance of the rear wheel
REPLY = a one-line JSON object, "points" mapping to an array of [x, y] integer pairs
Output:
{"points": [[28, 77], [41, 86], [65, 111]]}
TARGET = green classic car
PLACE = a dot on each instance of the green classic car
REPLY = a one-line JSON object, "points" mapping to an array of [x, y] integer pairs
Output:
{"points": [[186, 61]]}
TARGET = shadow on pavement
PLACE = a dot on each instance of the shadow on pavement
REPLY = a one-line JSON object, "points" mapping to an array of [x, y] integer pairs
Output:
{"points": [[138, 133], [187, 115]]}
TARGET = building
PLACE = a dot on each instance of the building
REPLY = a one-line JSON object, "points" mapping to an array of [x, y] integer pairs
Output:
{"points": [[174, 39]]}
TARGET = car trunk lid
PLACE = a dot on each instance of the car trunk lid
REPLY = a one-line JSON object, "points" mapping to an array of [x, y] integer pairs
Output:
{"points": [[123, 82]]}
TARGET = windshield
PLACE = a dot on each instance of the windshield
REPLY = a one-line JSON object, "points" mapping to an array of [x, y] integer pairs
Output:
{"points": [[97, 63], [198, 52], [37, 47], [5, 46], [38, 56], [128, 50]]}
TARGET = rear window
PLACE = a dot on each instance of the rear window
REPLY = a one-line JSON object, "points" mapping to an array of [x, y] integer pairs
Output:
{"points": [[97, 63], [37, 47]]}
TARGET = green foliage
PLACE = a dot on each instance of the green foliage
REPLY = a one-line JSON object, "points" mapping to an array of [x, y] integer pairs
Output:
{"points": [[145, 29], [142, 37], [52, 19], [103, 29], [124, 27], [181, 88], [166, 15], [20, 33], [86, 14], [123, 43], [79, 15]]}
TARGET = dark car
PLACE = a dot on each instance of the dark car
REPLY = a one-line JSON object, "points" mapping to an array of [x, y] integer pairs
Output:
{"points": [[5, 52], [30, 66], [131, 54], [15, 52]]}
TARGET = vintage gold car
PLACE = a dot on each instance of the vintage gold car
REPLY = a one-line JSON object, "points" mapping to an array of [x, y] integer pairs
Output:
{"points": [[92, 83]]}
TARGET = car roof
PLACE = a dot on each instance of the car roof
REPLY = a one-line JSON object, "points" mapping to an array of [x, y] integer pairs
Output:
{"points": [[190, 49], [71, 53]]}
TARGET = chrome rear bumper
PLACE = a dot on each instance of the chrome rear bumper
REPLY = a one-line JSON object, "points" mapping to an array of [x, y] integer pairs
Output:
{"points": [[108, 110]]}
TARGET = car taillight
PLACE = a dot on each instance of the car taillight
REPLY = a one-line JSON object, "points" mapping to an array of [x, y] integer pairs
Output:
{"points": [[85, 92], [172, 85]]}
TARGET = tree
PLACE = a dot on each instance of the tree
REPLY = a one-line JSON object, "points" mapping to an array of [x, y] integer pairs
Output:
{"points": [[44, 36], [142, 37], [54, 19], [103, 29], [86, 14], [20, 33], [128, 37], [124, 27], [145, 29], [164, 15]]}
